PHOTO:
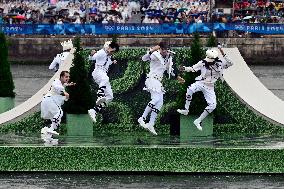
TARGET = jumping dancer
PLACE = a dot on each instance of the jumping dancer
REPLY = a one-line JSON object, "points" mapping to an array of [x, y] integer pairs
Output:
{"points": [[102, 60], [212, 68]]}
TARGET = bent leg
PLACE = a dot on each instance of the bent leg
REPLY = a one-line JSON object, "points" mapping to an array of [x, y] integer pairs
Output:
{"points": [[210, 98], [157, 100]]}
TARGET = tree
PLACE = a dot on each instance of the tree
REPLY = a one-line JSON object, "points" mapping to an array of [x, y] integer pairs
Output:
{"points": [[212, 41], [80, 95], [6, 80], [196, 54]]}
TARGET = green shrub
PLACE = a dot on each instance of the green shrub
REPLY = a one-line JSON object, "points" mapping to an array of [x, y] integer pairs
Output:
{"points": [[80, 94], [6, 81], [212, 41], [130, 100]]}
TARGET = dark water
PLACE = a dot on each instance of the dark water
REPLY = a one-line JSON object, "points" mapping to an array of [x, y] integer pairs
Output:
{"points": [[135, 181]]}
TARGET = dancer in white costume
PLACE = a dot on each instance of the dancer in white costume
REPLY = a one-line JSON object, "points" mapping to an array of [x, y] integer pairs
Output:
{"points": [[211, 70], [102, 60], [160, 61], [52, 102], [59, 59]]}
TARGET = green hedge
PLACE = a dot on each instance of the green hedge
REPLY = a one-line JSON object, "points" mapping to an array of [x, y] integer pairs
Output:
{"points": [[247, 121], [135, 158], [130, 101]]}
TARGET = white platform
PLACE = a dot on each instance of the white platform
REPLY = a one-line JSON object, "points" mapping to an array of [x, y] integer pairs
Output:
{"points": [[36, 98], [251, 91]]}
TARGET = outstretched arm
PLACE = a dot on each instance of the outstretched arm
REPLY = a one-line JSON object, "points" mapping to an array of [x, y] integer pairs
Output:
{"points": [[146, 57], [227, 62], [175, 73], [194, 68]]}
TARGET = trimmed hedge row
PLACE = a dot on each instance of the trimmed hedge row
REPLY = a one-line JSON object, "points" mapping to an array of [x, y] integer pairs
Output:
{"points": [[130, 101], [135, 158], [247, 121]]}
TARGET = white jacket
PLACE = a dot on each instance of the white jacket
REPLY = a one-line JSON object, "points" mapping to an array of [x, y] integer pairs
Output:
{"points": [[103, 60], [211, 74], [158, 64]]}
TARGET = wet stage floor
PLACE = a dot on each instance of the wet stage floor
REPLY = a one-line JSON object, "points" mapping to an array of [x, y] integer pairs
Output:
{"points": [[149, 141], [141, 181], [29, 79]]}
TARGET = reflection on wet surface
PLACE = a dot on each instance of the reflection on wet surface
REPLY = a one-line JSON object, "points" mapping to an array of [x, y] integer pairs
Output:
{"points": [[141, 181], [144, 140], [29, 79]]}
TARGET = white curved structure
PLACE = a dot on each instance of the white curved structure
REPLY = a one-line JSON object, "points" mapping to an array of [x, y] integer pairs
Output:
{"points": [[239, 77], [251, 91], [36, 98]]}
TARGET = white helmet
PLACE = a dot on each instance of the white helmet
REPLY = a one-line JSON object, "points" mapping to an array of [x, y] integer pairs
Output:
{"points": [[211, 53], [106, 45]]}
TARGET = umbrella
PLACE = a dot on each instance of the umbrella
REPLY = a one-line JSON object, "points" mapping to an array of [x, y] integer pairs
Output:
{"points": [[247, 17], [51, 7], [182, 9], [11, 14], [48, 15], [21, 17], [113, 12]]}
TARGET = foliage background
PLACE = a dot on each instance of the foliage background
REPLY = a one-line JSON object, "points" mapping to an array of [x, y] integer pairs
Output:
{"points": [[127, 79], [6, 81]]}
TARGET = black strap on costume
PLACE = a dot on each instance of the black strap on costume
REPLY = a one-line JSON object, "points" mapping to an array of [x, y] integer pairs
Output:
{"points": [[155, 110], [98, 108], [107, 59], [152, 106], [188, 97], [101, 91], [210, 66], [207, 66]]}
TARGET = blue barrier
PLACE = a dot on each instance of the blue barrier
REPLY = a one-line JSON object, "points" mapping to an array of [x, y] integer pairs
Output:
{"points": [[71, 29]]}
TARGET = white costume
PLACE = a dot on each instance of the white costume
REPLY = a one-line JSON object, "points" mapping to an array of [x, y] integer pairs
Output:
{"points": [[103, 61], [51, 104], [158, 65], [210, 73], [104, 95], [59, 59]]}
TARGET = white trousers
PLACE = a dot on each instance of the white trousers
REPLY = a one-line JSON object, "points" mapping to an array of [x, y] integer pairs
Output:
{"points": [[208, 92], [50, 109], [102, 80], [154, 106]]}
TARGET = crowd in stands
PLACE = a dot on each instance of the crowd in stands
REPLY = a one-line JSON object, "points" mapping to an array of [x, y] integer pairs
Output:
{"points": [[259, 11], [177, 11], [254, 11], [97, 11], [153, 11]]}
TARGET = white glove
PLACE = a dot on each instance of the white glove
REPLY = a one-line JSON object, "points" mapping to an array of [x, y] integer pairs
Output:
{"points": [[188, 69]]}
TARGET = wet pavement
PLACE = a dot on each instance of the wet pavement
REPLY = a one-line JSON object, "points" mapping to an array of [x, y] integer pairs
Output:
{"points": [[28, 79], [141, 181]]}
